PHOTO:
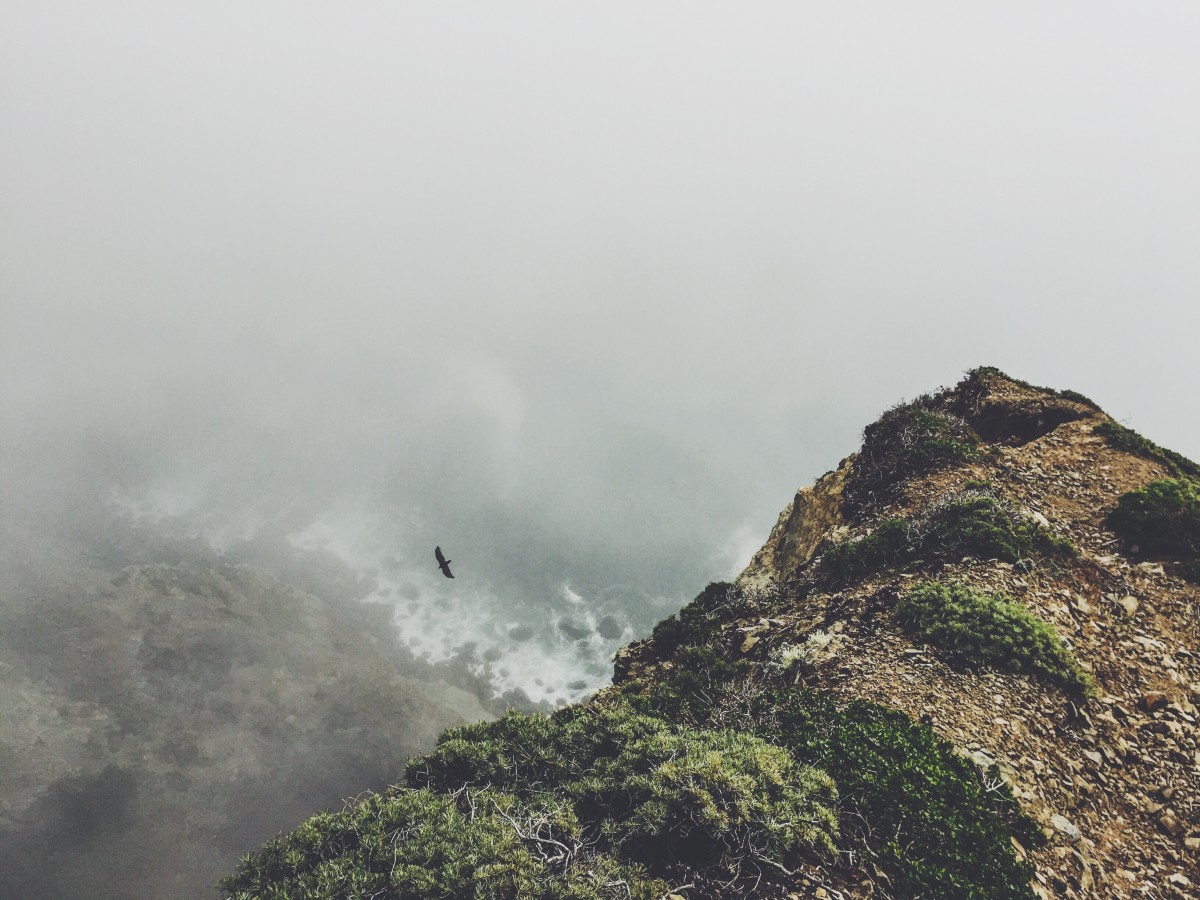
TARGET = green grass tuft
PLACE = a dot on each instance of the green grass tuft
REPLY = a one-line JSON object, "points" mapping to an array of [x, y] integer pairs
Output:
{"points": [[988, 629], [1121, 438], [968, 524], [892, 543], [981, 526]]}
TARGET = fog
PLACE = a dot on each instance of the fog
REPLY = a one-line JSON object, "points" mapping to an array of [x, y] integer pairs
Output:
{"points": [[580, 294]]}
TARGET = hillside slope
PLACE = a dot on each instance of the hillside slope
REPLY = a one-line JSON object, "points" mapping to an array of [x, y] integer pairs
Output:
{"points": [[964, 664], [164, 706]]}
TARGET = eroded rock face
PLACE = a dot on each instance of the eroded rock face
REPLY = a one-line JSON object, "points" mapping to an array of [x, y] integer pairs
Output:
{"points": [[812, 515]]}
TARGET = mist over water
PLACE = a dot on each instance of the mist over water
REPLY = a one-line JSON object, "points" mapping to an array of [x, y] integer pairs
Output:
{"points": [[292, 293]]}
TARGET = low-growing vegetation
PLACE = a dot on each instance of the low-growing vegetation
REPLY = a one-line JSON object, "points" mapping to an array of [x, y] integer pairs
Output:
{"points": [[983, 527], [723, 801], [909, 439], [421, 845], [893, 542], [750, 778], [1121, 438], [594, 801], [976, 628], [968, 524], [1163, 519], [913, 813], [694, 622]]}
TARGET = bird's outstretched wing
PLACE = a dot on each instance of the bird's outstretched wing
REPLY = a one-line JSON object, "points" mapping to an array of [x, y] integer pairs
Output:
{"points": [[443, 563]]}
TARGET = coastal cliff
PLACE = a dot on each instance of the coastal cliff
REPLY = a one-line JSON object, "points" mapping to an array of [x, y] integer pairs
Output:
{"points": [[965, 664]]}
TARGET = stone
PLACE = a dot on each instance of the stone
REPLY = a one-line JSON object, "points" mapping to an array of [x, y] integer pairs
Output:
{"points": [[1152, 700], [749, 642], [609, 628], [1129, 603], [1180, 880], [1064, 825], [1170, 823], [573, 632]]}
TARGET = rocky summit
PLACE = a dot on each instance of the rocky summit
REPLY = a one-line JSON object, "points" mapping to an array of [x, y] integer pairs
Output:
{"points": [[965, 664]]}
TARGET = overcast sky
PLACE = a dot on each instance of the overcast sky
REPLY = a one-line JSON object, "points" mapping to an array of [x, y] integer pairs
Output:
{"points": [[618, 277]]}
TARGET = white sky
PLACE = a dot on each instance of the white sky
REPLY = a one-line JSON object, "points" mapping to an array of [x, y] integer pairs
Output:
{"points": [[620, 275]]}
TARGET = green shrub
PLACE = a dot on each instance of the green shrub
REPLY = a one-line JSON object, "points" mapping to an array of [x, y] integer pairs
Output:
{"points": [[909, 804], [699, 672], [923, 814], [988, 629], [645, 789], [1076, 397], [419, 845], [980, 526], [909, 439], [710, 797], [1161, 518], [969, 524], [891, 543], [1121, 438], [578, 805], [692, 624]]}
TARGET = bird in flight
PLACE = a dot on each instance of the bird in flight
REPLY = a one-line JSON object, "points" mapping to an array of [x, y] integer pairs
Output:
{"points": [[443, 563]]}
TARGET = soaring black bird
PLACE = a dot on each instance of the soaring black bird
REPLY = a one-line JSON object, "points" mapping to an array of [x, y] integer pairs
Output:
{"points": [[443, 563]]}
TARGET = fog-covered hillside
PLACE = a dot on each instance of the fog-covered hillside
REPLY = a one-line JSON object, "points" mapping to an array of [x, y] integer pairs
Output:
{"points": [[164, 704]]}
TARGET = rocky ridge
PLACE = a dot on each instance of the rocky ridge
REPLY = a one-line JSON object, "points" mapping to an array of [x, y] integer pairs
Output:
{"points": [[1114, 780]]}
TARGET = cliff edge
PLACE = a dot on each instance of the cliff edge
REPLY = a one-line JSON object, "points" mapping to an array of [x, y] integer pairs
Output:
{"points": [[965, 664]]}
